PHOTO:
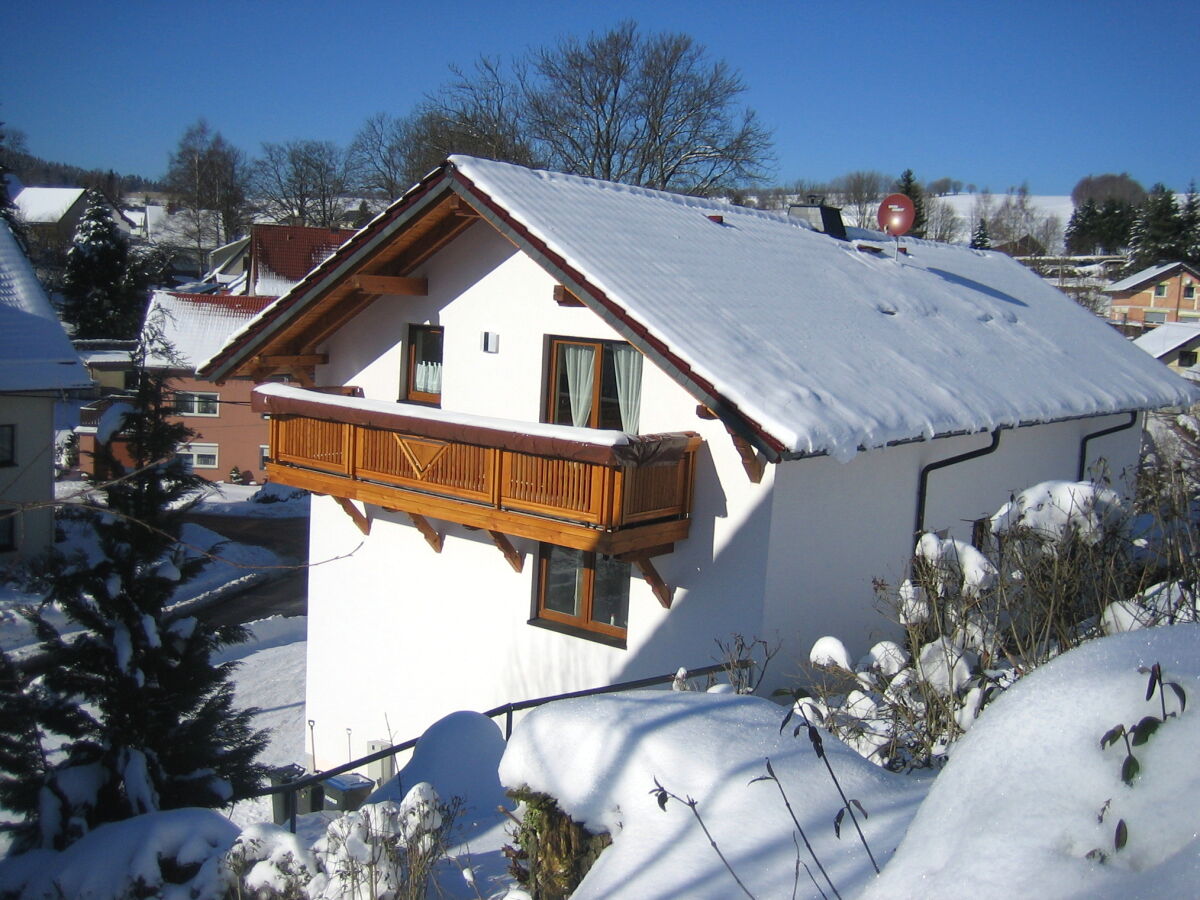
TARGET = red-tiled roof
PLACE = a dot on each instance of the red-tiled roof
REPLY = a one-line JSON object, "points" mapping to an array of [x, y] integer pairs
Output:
{"points": [[238, 305], [292, 251]]}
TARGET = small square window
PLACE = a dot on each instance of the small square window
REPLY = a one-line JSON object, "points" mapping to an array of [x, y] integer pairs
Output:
{"points": [[1160, 290], [1189, 292], [1187, 358], [8, 445], [583, 590], [1154, 318]]}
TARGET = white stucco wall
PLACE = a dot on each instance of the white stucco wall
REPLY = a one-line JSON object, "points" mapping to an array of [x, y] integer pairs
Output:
{"points": [[400, 636], [32, 478]]}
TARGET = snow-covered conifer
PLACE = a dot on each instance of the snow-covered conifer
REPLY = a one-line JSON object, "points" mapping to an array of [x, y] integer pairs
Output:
{"points": [[159, 729]]}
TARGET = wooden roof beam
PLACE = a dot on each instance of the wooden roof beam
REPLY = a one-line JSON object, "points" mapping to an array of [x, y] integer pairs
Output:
{"points": [[287, 361], [380, 285]]}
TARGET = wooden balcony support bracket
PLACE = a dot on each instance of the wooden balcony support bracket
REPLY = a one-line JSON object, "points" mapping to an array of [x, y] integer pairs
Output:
{"points": [[515, 559], [751, 461], [657, 585], [378, 285], [360, 520], [432, 538]]}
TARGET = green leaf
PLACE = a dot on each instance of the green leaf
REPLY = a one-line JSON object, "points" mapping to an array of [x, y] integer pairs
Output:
{"points": [[1130, 769], [1110, 736], [1122, 835], [1143, 729]]}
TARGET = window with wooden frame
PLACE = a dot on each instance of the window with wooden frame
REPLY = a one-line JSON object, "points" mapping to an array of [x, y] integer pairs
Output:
{"points": [[424, 375], [8, 445], [594, 384], [582, 590]]}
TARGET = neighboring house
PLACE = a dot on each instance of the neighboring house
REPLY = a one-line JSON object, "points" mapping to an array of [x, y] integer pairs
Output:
{"points": [[229, 434], [38, 367], [1176, 345], [570, 432], [109, 362], [280, 255], [1163, 293], [273, 258]]}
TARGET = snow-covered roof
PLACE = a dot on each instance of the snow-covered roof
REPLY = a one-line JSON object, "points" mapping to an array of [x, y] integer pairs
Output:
{"points": [[1160, 341], [1150, 273], [814, 345], [197, 325], [46, 205], [283, 254], [35, 352]]}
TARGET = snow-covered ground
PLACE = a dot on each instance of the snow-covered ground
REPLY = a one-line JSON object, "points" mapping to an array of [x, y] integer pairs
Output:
{"points": [[1038, 799]]}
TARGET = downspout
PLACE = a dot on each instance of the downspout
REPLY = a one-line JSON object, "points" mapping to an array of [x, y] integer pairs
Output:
{"points": [[923, 483], [1083, 442]]}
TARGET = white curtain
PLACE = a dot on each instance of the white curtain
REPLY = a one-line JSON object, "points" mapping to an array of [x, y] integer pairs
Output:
{"points": [[429, 377], [579, 363], [627, 364]]}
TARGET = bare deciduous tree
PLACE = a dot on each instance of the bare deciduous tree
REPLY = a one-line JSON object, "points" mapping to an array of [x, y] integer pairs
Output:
{"points": [[859, 193], [207, 179], [378, 156], [647, 110], [303, 182], [941, 222]]}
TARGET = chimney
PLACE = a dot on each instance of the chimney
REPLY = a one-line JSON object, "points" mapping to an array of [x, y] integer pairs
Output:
{"points": [[822, 218]]}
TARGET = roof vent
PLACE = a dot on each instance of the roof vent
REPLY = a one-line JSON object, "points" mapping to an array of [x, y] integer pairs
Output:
{"points": [[822, 218]]}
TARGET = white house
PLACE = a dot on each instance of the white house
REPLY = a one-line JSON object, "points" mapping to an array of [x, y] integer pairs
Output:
{"points": [[38, 367], [570, 432]]}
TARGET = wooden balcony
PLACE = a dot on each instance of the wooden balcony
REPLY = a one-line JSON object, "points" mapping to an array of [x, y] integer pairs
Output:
{"points": [[615, 494]]}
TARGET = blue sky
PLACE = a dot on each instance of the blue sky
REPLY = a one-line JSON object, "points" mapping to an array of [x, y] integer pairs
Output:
{"points": [[993, 94]]}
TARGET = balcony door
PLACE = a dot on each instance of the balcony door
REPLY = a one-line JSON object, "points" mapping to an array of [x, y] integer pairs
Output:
{"points": [[595, 384]]}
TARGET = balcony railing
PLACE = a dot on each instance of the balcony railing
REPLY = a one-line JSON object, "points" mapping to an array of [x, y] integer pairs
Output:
{"points": [[612, 493]]}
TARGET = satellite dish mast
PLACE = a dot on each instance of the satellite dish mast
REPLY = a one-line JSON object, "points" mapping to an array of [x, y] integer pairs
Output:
{"points": [[896, 215]]}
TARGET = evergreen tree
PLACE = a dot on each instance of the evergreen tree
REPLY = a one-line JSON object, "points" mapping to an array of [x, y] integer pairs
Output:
{"points": [[1158, 232], [105, 284], [155, 727], [1189, 218], [1082, 229], [1114, 225], [979, 238], [911, 188]]}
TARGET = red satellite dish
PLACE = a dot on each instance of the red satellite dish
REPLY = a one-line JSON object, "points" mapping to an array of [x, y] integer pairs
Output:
{"points": [[896, 214]]}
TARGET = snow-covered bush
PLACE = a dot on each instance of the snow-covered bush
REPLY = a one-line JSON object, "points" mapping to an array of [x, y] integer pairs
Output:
{"points": [[1066, 562], [384, 849]]}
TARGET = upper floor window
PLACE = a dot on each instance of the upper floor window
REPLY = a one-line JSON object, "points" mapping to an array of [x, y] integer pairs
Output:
{"points": [[8, 445], [1160, 290], [1189, 292], [595, 384], [191, 403], [424, 364]]}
